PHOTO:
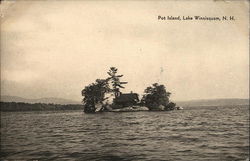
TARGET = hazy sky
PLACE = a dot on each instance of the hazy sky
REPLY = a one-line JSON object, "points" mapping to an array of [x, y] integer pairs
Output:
{"points": [[55, 48]]}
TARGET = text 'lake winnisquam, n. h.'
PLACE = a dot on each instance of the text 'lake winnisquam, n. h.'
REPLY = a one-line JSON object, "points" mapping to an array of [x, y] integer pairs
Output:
{"points": [[194, 18]]}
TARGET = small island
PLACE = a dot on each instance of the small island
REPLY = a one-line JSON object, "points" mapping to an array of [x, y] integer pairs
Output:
{"points": [[104, 95]]}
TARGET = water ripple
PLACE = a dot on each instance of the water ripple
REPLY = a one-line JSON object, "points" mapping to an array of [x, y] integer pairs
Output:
{"points": [[205, 133]]}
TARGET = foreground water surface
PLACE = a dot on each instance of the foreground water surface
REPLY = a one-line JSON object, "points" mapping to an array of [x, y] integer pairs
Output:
{"points": [[200, 133]]}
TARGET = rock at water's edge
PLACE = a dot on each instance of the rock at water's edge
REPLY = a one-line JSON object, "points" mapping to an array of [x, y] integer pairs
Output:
{"points": [[131, 108]]}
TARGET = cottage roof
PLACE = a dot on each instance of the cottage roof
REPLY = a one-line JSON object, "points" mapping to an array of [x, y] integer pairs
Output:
{"points": [[127, 97]]}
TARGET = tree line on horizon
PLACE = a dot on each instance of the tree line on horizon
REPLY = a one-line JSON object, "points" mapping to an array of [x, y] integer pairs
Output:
{"points": [[22, 106]]}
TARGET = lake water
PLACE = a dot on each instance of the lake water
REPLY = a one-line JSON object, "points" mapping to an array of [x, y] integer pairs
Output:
{"points": [[200, 133]]}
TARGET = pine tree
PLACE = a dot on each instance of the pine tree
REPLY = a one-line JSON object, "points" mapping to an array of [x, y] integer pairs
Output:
{"points": [[115, 80]]}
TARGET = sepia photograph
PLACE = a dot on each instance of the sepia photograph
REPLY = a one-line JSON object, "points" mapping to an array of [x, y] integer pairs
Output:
{"points": [[127, 80]]}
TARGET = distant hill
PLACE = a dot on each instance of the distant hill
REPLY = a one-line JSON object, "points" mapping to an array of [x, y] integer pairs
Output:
{"points": [[214, 102], [40, 100]]}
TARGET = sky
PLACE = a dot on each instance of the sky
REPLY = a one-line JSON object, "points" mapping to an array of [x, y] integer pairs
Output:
{"points": [[56, 48]]}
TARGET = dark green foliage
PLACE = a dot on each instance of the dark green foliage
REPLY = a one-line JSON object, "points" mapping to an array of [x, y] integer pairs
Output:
{"points": [[170, 106], [155, 96], [115, 80], [94, 94]]}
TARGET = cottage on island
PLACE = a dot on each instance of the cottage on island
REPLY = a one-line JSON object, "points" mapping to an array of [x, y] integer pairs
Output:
{"points": [[104, 95], [126, 99]]}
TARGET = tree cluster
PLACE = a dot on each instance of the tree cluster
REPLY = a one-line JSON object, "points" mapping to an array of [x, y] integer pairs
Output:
{"points": [[155, 97], [94, 94]]}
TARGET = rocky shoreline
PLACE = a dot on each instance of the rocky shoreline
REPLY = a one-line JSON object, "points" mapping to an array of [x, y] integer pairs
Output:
{"points": [[138, 108]]}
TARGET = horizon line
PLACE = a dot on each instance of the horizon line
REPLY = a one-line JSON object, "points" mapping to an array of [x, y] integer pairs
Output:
{"points": [[70, 99]]}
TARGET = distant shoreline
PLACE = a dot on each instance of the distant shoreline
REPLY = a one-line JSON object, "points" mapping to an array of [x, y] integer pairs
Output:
{"points": [[21, 106]]}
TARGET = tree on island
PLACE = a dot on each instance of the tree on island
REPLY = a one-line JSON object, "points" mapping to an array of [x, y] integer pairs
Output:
{"points": [[94, 94], [156, 96], [115, 80]]}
